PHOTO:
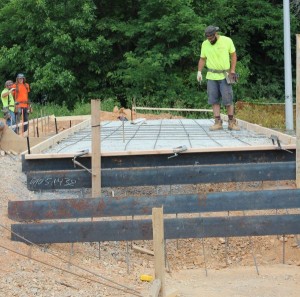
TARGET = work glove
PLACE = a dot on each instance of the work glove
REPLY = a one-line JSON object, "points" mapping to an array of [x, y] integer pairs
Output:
{"points": [[199, 76]]}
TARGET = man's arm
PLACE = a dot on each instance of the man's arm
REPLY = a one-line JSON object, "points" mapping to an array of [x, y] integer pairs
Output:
{"points": [[233, 62], [5, 94], [201, 63]]}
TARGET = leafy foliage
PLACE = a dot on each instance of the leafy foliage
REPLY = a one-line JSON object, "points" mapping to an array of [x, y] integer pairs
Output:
{"points": [[73, 51]]}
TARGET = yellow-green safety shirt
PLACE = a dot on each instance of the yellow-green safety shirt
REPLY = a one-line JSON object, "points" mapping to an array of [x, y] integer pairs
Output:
{"points": [[217, 56], [5, 100]]}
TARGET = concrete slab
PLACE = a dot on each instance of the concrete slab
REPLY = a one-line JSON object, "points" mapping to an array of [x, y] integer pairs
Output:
{"points": [[161, 135]]}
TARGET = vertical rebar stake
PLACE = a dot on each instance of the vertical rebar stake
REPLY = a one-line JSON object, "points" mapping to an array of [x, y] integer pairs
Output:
{"points": [[203, 249], [167, 264], [71, 254], [283, 249], [177, 238], [123, 126], [227, 245], [127, 256]]}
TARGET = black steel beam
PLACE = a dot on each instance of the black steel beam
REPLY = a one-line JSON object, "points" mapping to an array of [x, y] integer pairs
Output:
{"points": [[142, 229], [129, 206], [155, 160], [72, 179]]}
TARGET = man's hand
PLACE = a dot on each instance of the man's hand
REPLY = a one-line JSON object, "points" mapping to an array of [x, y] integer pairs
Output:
{"points": [[233, 77], [199, 76]]}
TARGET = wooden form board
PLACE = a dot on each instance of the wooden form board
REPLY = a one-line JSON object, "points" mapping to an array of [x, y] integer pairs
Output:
{"points": [[33, 156], [58, 137], [173, 109], [73, 118], [32, 121]]}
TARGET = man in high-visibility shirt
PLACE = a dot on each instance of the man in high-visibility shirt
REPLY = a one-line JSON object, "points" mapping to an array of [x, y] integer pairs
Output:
{"points": [[21, 99], [219, 55], [8, 103]]}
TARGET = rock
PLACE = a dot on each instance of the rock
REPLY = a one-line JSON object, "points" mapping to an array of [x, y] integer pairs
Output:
{"points": [[222, 240]]}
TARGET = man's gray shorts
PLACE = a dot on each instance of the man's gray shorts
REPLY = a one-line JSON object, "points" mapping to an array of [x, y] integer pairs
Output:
{"points": [[219, 91]]}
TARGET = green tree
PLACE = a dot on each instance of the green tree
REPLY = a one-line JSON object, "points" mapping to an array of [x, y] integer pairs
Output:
{"points": [[56, 44], [164, 53], [75, 50]]}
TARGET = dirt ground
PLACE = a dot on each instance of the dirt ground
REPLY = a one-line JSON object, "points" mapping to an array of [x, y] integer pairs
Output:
{"points": [[211, 267]]}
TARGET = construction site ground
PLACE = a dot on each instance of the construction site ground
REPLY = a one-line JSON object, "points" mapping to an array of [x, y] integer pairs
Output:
{"points": [[256, 266]]}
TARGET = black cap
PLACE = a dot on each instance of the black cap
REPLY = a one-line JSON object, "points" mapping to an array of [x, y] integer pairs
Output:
{"points": [[210, 30]]}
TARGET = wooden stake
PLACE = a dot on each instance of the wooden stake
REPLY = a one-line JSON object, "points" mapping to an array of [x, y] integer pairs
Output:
{"points": [[37, 126], [33, 121], [96, 149], [142, 250], [298, 111], [158, 246], [22, 133], [42, 124], [173, 109], [55, 122]]}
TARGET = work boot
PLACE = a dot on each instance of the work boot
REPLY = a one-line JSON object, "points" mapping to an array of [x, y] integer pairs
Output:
{"points": [[217, 125], [232, 125]]}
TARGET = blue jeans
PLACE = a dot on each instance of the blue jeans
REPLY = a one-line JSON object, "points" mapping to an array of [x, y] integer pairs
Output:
{"points": [[12, 120]]}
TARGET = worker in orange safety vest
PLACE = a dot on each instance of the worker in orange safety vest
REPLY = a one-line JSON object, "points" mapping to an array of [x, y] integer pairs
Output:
{"points": [[21, 100]]}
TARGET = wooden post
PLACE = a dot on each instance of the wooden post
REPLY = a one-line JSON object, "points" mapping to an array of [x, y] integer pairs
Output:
{"points": [[42, 124], [96, 149], [159, 247], [55, 122], [22, 133], [37, 126], [45, 123], [33, 121], [298, 111]]}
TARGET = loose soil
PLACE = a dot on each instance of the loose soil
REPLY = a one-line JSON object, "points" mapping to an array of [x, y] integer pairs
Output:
{"points": [[211, 267]]}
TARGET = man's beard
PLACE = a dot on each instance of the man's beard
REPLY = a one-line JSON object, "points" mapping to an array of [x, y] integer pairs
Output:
{"points": [[212, 42]]}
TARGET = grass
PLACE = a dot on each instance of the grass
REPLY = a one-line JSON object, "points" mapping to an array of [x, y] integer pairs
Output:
{"points": [[62, 110], [270, 116]]}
